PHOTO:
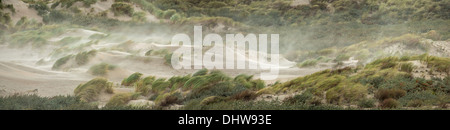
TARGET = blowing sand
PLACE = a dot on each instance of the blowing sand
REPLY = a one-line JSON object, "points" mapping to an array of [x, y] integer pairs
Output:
{"points": [[19, 72]]}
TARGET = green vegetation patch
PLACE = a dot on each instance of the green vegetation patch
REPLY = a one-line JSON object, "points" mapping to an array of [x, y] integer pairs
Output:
{"points": [[80, 59], [122, 8], [35, 102], [91, 90], [133, 78], [121, 99], [101, 69], [83, 57], [61, 61], [144, 86]]}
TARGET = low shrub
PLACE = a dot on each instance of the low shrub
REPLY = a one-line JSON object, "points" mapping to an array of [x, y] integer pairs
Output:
{"points": [[245, 95], [315, 101], [325, 84], [384, 94], [175, 18], [389, 103], [168, 13], [211, 100], [404, 82], [420, 98], [415, 103], [139, 17], [88, 3], [122, 8], [35, 102], [301, 98], [366, 103], [40, 7], [346, 92], [224, 89], [258, 105]]}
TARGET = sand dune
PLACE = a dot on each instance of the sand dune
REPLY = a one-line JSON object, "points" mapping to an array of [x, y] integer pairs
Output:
{"points": [[16, 78], [22, 10], [19, 72]]}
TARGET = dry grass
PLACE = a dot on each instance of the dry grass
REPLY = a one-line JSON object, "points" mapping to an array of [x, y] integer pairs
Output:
{"points": [[389, 103], [384, 94], [245, 95]]}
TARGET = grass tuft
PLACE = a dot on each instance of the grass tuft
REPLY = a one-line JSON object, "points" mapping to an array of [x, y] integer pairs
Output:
{"points": [[101, 69], [91, 90], [121, 99], [384, 94], [389, 103], [122, 8], [133, 78]]}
